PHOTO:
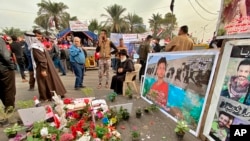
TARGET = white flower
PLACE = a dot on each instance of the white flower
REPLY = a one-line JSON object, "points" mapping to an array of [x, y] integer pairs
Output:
{"points": [[44, 132]]}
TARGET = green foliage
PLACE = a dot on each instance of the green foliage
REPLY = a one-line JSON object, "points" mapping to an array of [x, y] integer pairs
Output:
{"points": [[25, 104], [123, 114], [135, 134], [87, 91], [128, 92], [112, 96], [5, 114], [101, 130], [181, 127], [138, 110], [13, 31], [13, 130]]}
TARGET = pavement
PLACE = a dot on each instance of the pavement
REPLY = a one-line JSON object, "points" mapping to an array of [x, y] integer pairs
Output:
{"points": [[154, 126]]}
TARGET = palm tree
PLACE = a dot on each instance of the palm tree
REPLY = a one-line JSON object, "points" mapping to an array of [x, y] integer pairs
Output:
{"points": [[43, 22], [155, 23], [94, 25], [114, 17], [12, 31], [65, 20], [134, 21], [169, 22], [54, 10]]}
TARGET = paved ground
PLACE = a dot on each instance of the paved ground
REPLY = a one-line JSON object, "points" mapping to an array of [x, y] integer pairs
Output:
{"points": [[153, 127]]}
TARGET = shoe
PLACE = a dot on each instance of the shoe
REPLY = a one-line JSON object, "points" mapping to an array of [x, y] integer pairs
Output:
{"points": [[63, 74], [99, 86], [82, 86], [31, 89], [107, 85], [24, 80]]}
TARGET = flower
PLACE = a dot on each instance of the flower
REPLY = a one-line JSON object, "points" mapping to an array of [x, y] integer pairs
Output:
{"points": [[66, 137], [67, 101], [44, 132], [86, 101], [105, 121]]}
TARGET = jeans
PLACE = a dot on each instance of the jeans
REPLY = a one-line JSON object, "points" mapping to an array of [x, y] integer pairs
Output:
{"points": [[58, 64], [114, 62], [79, 73]]}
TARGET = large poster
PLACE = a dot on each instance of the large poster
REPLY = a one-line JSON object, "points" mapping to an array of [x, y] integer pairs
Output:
{"points": [[234, 21], [179, 82], [231, 96]]}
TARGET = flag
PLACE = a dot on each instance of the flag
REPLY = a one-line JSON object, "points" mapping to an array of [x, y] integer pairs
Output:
{"points": [[172, 6]]}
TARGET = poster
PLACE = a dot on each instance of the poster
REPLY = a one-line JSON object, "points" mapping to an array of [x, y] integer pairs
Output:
{"points": [[78, 25], [230, 104], [234, 20], [179, 82]]}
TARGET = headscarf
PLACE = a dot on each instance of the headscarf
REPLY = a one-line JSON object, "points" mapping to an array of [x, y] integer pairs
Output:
{"points": [[33, 43]]}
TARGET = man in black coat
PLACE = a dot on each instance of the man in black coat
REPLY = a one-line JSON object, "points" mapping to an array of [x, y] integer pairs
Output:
{"points": [[7, 77]]}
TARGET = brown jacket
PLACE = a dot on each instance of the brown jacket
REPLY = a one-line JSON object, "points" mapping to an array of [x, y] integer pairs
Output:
{"points": [[105, 49], [180, 43]]}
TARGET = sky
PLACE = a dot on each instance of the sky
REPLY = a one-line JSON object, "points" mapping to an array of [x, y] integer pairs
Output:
{"points": [[200, 15]]}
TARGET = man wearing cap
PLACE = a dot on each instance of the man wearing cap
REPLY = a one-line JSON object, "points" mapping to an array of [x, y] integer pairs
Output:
{"points": [[181, 42], [124, 65], [7, 77]]}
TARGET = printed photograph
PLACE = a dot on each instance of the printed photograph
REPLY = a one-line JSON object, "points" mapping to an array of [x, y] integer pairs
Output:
{"points": [[179, 83]]}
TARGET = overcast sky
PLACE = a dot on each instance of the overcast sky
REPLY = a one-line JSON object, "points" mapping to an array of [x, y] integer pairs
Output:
{"points": [[21, 13]]}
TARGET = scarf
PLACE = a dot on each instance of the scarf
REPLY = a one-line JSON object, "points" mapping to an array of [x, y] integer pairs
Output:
{"points": [[34, 43]]}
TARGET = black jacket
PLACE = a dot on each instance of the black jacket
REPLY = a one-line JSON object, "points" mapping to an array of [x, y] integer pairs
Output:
{"points": [[5, 58]]}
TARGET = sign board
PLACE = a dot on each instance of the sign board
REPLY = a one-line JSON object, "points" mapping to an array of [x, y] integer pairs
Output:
{"points": [[234, 20], [31, 115], [78, 25]]}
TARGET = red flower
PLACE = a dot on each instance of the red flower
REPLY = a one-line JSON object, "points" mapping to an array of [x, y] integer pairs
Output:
{"points": [[86, 100], [75, 115], [67, 101]]}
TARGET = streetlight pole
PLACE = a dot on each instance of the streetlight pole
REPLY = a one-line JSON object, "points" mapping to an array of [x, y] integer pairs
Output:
{"points": [[204, 31]]}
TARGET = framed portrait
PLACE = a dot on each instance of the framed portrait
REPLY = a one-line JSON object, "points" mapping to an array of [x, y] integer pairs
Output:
{"points": [[230, 103], [179, 82], [234, 19]]}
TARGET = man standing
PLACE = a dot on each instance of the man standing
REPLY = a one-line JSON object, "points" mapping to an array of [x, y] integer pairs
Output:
{"points": [[105, 46], [46, 74], [182, 42], [55, 55], [7, 77], [157, 47], [144, 49], [18, 54], [77, 61]]}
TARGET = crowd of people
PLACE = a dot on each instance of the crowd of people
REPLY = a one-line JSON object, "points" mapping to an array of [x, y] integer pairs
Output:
{"points": [[43, 57]]}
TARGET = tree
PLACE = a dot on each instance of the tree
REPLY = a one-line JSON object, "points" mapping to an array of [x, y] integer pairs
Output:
{"points": [[12, 31], [135, 23], [114, 18], [169, 24], [55, 11], [43, 22], [94, 25], [155, 23], [65, 20]]}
